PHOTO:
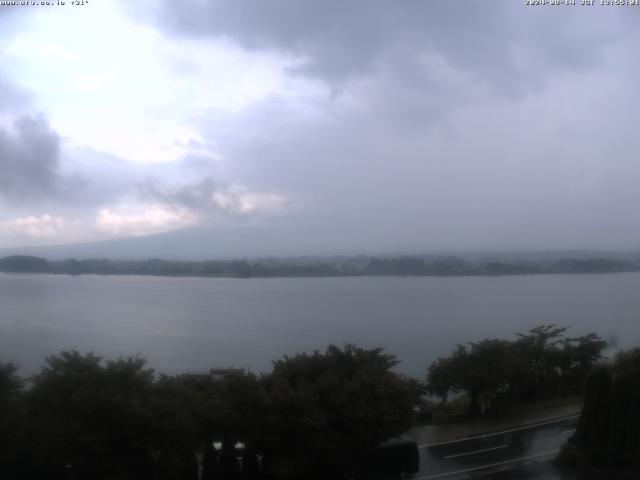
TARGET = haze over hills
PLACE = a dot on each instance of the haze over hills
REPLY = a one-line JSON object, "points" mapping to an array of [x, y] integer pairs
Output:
{"points": [[203, 242], [298, 243]]}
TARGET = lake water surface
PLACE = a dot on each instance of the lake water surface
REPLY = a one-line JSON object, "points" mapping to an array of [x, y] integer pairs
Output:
{"points": [[193, 324]]}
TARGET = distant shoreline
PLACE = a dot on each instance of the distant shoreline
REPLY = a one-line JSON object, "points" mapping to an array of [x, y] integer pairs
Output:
{"points": [[346, 267]]}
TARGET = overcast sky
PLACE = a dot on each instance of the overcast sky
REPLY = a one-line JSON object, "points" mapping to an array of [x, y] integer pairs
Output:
{"points": [[334, 126]]}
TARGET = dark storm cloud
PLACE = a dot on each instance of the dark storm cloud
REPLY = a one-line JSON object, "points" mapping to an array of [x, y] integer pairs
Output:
{"points": [[29, 153], [553, 170], [34, 170], [29, 160], [448, 124], [499, 42]]}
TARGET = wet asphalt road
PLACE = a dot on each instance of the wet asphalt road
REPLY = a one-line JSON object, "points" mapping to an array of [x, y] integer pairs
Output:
{"points": [[524, 452]]}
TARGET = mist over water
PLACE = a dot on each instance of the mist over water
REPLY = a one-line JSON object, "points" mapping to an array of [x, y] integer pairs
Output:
{"points": [[192, 324]]}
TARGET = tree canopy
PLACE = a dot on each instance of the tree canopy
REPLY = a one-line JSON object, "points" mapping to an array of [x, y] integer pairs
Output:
{"points": [[343, 400], [90, 418], [608, 433], [496, 374]]}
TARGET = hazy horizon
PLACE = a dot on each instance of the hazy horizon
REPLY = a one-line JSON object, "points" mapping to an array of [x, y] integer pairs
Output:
{"points": [[164, 247]]}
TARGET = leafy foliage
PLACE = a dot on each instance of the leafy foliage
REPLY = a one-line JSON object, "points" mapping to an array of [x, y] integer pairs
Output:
{"points": [[89, 415], [12, 435], [325, 405], [89, 418], [608, 432], [498, 373]]}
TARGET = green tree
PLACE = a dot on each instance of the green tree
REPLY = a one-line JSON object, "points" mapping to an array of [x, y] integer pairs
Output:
{"points": [[498, 373], [178, 427], [446, 375], [608, 433], [486, 371], [12, 421], [327, 412], [579, 356], [91, 416]]}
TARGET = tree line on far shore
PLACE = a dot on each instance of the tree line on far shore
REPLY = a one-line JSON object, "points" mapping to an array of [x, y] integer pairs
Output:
{"points": [[349, 266]]}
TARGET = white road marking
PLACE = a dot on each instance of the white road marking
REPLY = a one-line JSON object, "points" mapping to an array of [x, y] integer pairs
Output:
{"points": [[567, 431], [476, 451], [517, 429], [497, 464]]}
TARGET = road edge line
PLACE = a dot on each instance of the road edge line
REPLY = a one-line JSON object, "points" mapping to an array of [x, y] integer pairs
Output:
{"points": [[497, 464], [484, 435]]}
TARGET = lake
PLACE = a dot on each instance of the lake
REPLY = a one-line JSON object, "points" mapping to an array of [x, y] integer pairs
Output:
{"points": [[193, 324]]}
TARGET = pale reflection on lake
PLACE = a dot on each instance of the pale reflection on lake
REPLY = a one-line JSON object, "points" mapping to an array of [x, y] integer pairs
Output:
{"points": [[182, 324]]}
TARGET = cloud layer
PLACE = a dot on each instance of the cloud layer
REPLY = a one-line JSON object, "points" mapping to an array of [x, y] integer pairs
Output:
{"points": [[357, 126], [29, 160]]}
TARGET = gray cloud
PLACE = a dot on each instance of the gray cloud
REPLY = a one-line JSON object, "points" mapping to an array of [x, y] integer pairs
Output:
{"points": [[11, 98], [29, 160], [500, 42], [553, 169], [38, 172], [209, 198], [29, 153], [198, 195], [36, 169], [445, 125], [452, 124]]}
